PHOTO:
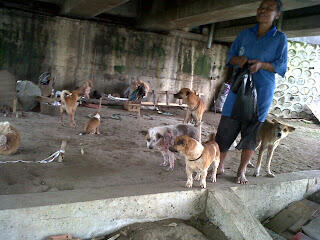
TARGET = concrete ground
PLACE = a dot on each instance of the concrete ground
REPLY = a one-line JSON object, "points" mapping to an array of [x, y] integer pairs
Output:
{"points": [[119, 157]]}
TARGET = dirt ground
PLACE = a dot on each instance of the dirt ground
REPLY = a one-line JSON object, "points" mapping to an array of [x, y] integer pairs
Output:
{"points": [[119, 155]]}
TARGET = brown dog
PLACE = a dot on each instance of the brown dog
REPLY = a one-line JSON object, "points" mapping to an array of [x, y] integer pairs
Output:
{"points": [[9, 138], [196, 106], [270, 135], [92, 126], [69, 101], [198, 157]]}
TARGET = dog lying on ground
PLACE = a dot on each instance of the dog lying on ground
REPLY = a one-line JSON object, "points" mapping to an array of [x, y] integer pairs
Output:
{"points": [[9, 138], [196, 106], [69, 101], [92, 126], [162, 137], [198, 157], [270, 135]]}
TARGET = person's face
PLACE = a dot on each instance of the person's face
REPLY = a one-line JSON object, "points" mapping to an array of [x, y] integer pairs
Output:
{"points": [[267, 12]]}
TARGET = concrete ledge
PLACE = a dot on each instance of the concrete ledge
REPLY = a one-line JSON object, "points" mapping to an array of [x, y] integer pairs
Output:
{"points": [[94, 218], [91, 212], [266, 200]]}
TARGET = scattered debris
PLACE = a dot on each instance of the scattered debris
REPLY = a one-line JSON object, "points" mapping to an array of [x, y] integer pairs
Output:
{"points": [[165, 113], [114, 237], [116, 116], [171, 225], [61, 237], [288, 222]]}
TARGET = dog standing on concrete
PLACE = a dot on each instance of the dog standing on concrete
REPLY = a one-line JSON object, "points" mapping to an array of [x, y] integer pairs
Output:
{"points": [[196, 106], [270, 134], [69, 101], [162, 137], [9, 138], [93, 125], [198, 157]]}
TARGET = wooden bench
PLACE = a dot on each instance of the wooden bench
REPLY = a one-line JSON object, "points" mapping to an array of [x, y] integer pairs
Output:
{"points": [[155, 98]]}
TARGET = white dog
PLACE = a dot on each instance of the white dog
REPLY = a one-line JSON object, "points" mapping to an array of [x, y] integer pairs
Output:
{"points": [[162, 137]]}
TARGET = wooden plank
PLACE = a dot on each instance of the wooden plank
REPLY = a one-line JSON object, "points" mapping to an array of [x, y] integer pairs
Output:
{"points": [[163, 104], [167, 97], [290, 216]]}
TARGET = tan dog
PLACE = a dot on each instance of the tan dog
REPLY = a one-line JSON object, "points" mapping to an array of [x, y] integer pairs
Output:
{"points": [[69, 101], [92, 126], [9, 138], [270, 135], [196, 106], [198, 157]]}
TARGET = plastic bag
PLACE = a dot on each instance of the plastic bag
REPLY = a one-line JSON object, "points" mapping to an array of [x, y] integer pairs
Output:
{"points": [[245, 107], [224, 91], [237, 77]]}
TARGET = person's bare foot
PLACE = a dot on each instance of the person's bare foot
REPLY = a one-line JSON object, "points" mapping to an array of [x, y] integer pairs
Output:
{"points": [[241, 179]]}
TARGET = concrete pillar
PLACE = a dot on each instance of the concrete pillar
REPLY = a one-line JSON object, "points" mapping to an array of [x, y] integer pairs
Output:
{"points": [[226, 210]]}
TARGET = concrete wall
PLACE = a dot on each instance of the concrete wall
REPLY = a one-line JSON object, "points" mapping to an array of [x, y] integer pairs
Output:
{"points": [[301, 84], [112, 56]]}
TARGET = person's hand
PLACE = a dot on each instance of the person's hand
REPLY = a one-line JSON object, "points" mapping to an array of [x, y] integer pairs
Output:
{"points": [[238, 60], [256, 65], [242, 61]]}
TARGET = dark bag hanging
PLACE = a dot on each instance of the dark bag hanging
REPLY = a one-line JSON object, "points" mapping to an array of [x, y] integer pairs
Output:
{"points": [[245, 107], [237, 77]]}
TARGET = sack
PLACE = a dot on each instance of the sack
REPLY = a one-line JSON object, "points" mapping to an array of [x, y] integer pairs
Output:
{"points": [[245, 107]]}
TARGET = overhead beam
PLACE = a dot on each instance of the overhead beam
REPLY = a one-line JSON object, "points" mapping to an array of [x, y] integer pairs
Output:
{"points": [[195, 13], [293, 27], [89, 8]]}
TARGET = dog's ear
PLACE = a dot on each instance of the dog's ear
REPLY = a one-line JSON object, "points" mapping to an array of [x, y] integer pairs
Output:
{"points": [[144, 132], [181, 142], [291, 129], [158, 136]]}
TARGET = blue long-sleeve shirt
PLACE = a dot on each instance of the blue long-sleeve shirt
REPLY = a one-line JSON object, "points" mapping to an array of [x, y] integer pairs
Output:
{"points": [[272, 48]]}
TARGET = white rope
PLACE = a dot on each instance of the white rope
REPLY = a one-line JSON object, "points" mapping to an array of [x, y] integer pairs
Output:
{"points": [[117, 98], [49, 159]]}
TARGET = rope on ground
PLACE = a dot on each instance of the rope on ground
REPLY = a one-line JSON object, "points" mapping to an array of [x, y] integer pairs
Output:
{"points": [[49, 159], [58, 154]]}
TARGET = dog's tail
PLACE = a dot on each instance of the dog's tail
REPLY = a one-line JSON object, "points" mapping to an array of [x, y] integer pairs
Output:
{"points": [[99, 109], [63, 93]]}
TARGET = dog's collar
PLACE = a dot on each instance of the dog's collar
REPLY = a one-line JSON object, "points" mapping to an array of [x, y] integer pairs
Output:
{"points": [[196, 107], [196, 159]]}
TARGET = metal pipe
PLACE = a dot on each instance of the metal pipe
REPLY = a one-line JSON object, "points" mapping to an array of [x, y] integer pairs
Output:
{"points": [[210, 35]]}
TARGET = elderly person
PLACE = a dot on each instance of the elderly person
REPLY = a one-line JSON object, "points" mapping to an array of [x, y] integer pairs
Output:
{"points": [[265, 48]]}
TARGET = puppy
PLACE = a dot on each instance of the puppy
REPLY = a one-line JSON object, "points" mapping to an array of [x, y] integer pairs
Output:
{"points": [[162, 137], [196, 106], [69, 101], [9, 138], [270, 135], [92, 126], [198, 157]]}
